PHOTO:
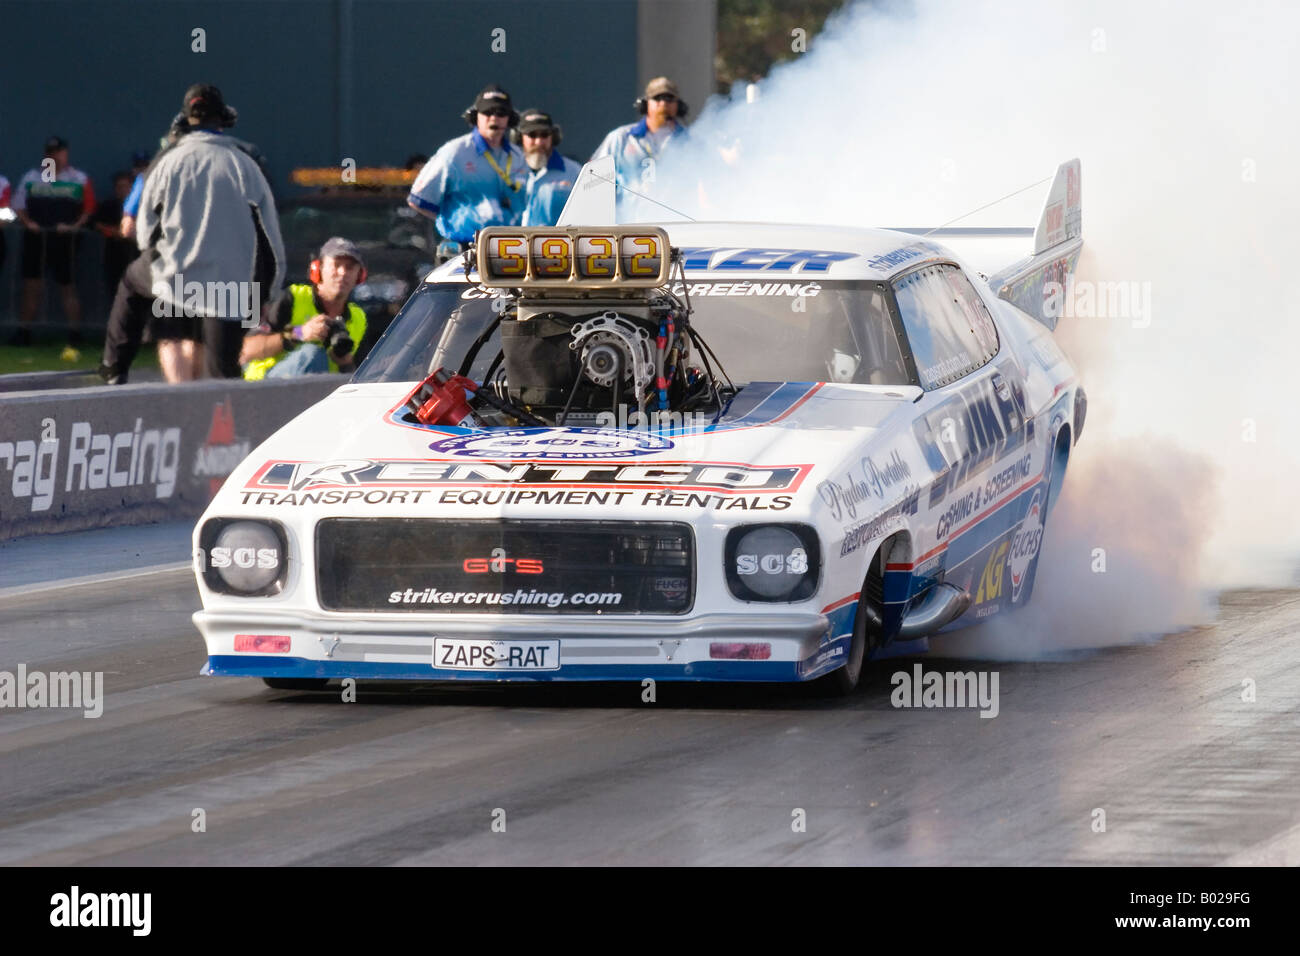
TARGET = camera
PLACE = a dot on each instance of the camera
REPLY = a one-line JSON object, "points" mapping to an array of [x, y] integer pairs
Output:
{"points": [[337, 340]]}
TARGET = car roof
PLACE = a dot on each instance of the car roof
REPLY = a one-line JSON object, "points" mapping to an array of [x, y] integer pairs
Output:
{"points": [[772, 250]]}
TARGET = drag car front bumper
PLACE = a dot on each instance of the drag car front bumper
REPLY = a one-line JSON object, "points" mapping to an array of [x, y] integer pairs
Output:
{"points": [[799, 645]]}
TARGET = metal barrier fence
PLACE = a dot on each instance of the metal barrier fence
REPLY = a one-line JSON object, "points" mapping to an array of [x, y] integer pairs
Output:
{"points": [[50, 321]]}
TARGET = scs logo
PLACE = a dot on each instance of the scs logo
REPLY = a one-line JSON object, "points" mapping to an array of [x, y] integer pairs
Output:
{"points": [[245, 557], [498, 563], [796, 562]]}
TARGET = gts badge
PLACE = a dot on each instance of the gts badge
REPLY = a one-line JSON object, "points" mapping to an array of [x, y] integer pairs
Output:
{"points": [[498, 563]]}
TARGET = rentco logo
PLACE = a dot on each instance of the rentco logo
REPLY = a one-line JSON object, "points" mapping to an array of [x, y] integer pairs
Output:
{"points": [[499, 564]]}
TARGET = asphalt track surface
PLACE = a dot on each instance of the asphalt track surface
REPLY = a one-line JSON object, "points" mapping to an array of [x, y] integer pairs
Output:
{"points": [[1155, 735]]}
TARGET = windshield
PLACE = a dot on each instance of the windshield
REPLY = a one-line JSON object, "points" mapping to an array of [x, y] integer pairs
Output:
{"points": [[761, 332]]}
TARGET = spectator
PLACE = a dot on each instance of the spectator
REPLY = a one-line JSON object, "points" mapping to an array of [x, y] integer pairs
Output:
{"points": [[140, 162], [4, 204], [637, 147], [118, 251], [300, 326], [180, 353], [208, 222], [180, 348], [551, 176], [474, 180], [53, 201]]}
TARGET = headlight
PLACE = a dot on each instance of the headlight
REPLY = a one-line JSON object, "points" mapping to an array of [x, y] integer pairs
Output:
{"points": [[248, 558], [773, 562]]}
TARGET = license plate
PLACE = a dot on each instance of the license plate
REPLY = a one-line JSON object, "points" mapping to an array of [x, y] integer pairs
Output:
{"points": [[497, 656]]}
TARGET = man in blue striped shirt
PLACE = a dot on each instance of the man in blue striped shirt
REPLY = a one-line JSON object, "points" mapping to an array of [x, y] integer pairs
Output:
{"points": [[478, 179], [636, 147], [550, 175]]}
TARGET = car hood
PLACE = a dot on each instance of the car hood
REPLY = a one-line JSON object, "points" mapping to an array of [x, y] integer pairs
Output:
{"points": [[800, 442]]}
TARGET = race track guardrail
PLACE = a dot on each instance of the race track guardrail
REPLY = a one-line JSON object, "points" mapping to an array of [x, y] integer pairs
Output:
{"points": [[74, 459]]}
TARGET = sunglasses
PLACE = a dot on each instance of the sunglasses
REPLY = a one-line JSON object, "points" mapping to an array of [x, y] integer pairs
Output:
{"points": [[495, 112], [542, 134], [664, 98]]}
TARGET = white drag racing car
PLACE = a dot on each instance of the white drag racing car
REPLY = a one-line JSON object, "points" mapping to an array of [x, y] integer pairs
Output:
{"points": [[696, 451]]}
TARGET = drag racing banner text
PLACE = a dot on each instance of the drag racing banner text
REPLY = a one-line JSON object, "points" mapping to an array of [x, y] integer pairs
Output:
{"points": [[72, 459]]}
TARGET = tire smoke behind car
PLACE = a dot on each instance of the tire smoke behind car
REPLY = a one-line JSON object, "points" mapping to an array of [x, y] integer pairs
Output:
{"points": [[1182, 119]]}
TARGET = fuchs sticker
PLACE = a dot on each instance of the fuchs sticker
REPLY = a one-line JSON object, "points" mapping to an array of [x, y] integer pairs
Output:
{"points": [[673, 589], [1025, 544], [572, 444]]}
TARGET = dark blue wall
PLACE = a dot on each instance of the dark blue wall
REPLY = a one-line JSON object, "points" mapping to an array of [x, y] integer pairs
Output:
{"points": [[108, 75]]}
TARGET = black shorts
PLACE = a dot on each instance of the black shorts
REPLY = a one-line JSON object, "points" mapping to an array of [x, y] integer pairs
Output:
{"points": [[173, 327], [56, 251]]}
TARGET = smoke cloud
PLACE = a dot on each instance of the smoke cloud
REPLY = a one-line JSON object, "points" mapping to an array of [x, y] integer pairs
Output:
{"points": [[1183, 117]]}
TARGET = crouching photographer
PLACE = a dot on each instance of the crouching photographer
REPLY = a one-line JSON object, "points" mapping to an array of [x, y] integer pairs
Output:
{"points": [[311, 328]]}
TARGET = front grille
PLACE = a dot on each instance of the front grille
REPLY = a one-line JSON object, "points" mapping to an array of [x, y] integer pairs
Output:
{"points": [[505, 566]]}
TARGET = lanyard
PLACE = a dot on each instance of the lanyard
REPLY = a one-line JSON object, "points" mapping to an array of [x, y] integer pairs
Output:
{"points": [[644, 148], [503, 173]]}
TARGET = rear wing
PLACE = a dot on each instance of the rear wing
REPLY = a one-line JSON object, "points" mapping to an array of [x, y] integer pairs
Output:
{"points": [[591, 203], [1036, 284]]}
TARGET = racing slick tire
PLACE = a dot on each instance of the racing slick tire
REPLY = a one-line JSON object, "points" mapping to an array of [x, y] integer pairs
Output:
{"points": [[866, 637], [1055, 477], [295, 683]]}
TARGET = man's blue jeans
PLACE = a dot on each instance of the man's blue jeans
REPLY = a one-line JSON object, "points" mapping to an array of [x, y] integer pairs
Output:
{"points": [[307, 359]]}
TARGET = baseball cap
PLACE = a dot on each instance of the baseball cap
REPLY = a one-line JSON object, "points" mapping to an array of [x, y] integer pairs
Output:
{"points": [[535, 121], [661, 84], [337, 246], [55, 143], [492, 97]]}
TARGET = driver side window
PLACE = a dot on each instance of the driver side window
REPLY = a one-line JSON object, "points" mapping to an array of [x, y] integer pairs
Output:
{"points": [[949, 329]]}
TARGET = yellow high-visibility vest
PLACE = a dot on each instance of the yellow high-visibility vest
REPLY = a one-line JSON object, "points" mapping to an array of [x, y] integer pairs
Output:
{"points": [[304, 307]]}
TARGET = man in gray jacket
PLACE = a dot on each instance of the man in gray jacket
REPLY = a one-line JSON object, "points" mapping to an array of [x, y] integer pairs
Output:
{"points": [[208, 226]]}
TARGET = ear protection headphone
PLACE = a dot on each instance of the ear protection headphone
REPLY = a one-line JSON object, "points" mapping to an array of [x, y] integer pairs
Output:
{"points": [[471, 114], [557, 134], [640, 105], [313, 273]]}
